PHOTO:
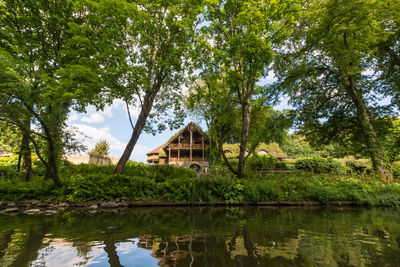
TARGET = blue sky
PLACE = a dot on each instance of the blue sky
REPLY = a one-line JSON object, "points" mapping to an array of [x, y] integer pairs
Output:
{"points": [[112, 124]]}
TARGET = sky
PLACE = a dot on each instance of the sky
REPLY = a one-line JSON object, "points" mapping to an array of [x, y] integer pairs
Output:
{"points": [[112, 124]]}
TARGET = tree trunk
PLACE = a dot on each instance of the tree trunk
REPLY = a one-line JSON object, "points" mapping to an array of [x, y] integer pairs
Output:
{"points": [[5, 242], [141, 121], [51, 166], [246, 110], [26, 153], [19, 161], [221, 151], [110, 249], [52, 169], [374, 148]]}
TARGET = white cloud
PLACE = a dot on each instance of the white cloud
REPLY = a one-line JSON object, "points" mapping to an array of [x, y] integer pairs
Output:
{"points": [[89, 136], [125, 248], [73, 116], [98, 116], [139, 152], [93, 118], [118, 104]]}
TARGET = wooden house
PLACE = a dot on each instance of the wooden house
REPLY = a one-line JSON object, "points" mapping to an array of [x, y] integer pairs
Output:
{"points": [[186, 148]]}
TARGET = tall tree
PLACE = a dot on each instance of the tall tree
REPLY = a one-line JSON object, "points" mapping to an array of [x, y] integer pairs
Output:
{"points": [[208, 102], [101, 148], [54, 73], [388, 49], [237, 42], [146, 59], [326, 69], [15, 122]]}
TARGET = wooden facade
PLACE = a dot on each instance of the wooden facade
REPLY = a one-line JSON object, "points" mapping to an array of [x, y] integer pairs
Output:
{"points": [[186, 148]]}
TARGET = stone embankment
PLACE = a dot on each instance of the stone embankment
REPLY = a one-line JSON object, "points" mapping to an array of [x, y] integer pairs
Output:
{"points": [[31, 207]]}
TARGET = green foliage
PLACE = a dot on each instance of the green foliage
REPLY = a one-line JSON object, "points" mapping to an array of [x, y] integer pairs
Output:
{"points": [[357, 166], [11, 189], [324, 70], [98, 183], [178, 189], [256, 163], [45, 70], [296, 146], [9, 161], [234, 50], [10, 138], [159, 173], [396, 169], [103, 186], [319, 165], [101, 148], [259, 162], [8, 172]]}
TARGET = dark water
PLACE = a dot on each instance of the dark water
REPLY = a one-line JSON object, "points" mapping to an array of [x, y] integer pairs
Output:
{"points": [[204, 237]]}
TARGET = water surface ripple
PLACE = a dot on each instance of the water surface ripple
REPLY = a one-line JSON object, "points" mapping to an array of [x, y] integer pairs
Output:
{"points": [[204, 237]]}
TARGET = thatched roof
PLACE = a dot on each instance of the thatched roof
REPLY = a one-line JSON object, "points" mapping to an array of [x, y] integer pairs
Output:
{"points": [[272, 149]]}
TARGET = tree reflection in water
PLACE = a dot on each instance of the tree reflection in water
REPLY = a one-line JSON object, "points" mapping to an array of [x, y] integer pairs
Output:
{"points": [[204, 237]]}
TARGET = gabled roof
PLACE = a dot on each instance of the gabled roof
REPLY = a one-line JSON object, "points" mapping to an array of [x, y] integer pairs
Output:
{"points": [[161, 149], [155, 151], [190, 124]]}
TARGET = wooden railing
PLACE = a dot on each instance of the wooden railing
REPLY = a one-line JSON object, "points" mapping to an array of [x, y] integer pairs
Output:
{"points": [[174, 160], [186, 146], [154, 157]]}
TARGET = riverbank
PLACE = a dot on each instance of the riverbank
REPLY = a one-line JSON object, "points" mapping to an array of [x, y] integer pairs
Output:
{"points": [[141, 185], [35, 206]]}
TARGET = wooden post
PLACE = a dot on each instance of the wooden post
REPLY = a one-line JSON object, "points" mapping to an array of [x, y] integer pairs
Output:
{"points": [[169, 155], [202, 145], [179, 147], [191, 145]]}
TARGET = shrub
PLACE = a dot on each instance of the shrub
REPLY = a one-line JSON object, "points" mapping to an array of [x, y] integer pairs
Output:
{"points": [[100, 186], [319, 165], [358, 167], [14, 190], [9, 161], [396, 169], [8, 172], [257, 162], [180, 189], [166, 183], [159, 173]]}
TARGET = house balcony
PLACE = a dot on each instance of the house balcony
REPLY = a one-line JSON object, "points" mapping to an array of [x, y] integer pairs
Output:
{"points": [[186, 160], [186, 146], [152, 158]]}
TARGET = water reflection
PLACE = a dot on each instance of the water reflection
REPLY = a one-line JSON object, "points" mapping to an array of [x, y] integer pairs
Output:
{"points": [[204, 237]]}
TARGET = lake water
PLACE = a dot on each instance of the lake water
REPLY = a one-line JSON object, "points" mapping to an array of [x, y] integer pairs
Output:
{"points": [[204, 237]]}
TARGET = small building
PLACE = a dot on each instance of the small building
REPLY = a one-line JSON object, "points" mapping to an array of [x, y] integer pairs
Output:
{"points": [[187, 148]]}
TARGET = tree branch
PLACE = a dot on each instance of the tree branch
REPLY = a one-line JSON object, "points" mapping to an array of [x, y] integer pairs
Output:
{"points": [[129, 115]]}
